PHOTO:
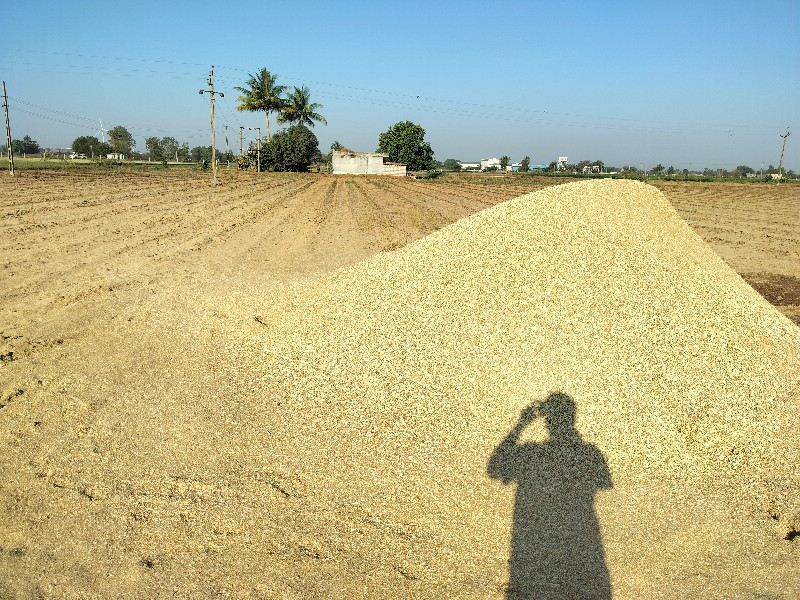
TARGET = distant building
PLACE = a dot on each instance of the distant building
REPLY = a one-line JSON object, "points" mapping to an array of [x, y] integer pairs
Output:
{"points": [[490, 162], [347, 162], [470, 166], [115, 156]]}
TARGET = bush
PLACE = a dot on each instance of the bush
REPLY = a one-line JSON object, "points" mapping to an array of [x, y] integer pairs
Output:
{"points": [[293, 149]]}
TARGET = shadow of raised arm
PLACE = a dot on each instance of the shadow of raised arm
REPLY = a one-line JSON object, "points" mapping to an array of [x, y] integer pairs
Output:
{"points": [[504, 464]]}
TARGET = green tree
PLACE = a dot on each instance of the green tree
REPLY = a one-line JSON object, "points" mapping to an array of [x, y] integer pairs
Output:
{"points": [[25, 146], [404, 142], [121, 140], [525, 165], [201, 153], [161, 149], [293, 149], [262, 93], [153, 145], [743, 171], [299, 110], [102, 150], [90, 146], [504, 160], [169, 146], [451, 164], [657, 170]]}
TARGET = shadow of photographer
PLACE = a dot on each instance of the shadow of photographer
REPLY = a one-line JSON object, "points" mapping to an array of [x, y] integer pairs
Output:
{"points": [[556, 545]]}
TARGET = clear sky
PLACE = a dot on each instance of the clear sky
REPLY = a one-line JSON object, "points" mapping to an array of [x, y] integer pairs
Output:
{"points": [[690, 84]]}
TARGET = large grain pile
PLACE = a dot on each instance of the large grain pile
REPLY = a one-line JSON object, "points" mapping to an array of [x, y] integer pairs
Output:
{"points": [[398, 377], [353, 440]]}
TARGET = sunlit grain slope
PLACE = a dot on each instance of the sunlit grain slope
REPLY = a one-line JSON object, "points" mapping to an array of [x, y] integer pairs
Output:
{"points": [[397, 379]]}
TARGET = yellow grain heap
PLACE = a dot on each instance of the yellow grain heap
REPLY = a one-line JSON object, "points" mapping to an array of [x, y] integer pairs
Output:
{"points": [[398, 378], [567, 395]]}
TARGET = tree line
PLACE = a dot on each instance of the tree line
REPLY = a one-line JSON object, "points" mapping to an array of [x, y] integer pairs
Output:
{"points": [[598, 166]]}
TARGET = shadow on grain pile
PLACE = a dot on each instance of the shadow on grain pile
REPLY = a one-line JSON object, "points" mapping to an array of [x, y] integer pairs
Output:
{"points": [[397, 378]]}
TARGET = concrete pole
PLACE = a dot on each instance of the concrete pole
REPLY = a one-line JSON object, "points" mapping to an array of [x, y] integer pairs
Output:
{"points": [[213, 140], [8, 133], [780, 164]]}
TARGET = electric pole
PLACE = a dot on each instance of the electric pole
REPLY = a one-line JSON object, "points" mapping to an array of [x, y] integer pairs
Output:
{"points": [[8, 133], [241, 129], [227, 148], [780, 164], [258, 155], [211, 93]]}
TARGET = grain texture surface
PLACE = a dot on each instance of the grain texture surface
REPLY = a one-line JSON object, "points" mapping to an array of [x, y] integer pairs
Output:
{"points": [[196, 403]]}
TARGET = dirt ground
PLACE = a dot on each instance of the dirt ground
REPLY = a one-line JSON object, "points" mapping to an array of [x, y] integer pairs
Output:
{"points": [[754, 228], [118, 289]]}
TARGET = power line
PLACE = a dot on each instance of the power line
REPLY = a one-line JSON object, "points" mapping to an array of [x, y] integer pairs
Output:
{"points": [[119, 71], [39, 106], [94, 56], [140, 132], [492, 109]]}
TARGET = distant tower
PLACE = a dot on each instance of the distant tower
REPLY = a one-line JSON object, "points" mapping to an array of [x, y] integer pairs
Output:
{"points": [[102, 130]]}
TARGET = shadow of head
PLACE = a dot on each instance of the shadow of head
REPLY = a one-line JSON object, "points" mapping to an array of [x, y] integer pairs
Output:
{"points": [[559, 411]]}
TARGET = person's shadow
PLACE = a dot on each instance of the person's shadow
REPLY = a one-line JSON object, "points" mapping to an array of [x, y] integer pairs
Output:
{"points": [[556, 545]]}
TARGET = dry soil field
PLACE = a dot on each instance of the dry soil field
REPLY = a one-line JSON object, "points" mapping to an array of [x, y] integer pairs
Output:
{"points": [[148, 454]]}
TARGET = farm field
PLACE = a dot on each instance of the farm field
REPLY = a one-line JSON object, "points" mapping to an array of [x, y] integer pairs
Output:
{"points": [[135, 449]]}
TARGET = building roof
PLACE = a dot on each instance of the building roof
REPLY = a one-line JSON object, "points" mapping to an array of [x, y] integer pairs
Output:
{"points": [[346, 151]]}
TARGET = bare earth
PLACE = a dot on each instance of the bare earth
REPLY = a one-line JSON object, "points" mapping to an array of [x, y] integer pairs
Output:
{"points": [[130, 445]]}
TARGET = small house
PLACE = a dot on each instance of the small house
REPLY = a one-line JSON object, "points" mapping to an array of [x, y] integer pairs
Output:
{"points": [[347, 162]]}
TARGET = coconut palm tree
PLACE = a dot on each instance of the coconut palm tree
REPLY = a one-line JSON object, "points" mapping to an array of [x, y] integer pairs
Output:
{"points": [[262, 93], [298, 109]]}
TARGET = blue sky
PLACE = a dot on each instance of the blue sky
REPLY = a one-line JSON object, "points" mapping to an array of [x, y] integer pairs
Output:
{"points": [[689, 84]]}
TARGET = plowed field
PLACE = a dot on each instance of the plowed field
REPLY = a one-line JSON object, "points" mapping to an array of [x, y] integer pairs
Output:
{"points": [[755, 228]]}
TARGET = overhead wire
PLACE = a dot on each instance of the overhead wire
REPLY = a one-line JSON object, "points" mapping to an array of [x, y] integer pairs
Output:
{"points": [[485, 110], [140, 131]]}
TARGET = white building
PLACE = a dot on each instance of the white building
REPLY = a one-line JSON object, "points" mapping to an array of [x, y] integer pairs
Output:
{"points": [[490, 162], [470, 166], [347, 162]]}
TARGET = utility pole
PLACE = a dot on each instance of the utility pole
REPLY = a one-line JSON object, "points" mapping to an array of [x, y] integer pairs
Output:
{"points": [[227, 149], [211, 93], [241, 129], [780, 164], [258, 155], [8, 133]]}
